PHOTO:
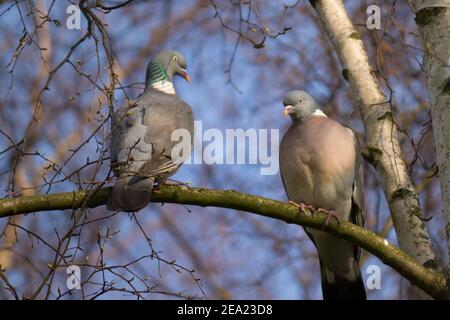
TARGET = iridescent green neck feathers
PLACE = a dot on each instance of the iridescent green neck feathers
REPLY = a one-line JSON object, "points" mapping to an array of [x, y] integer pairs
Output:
{"points": [[158, 78]]}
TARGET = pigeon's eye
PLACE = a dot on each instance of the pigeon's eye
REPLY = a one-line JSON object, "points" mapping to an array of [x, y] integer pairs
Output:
{"points": [[300, 101], [175, 58]]}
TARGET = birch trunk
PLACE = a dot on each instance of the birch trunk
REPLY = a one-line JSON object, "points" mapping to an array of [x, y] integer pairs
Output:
{"points": [[383, 149], [433, 22]]}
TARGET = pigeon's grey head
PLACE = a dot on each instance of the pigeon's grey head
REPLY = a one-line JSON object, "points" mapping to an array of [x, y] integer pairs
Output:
{"points": [[299, 104], [165, 65]]}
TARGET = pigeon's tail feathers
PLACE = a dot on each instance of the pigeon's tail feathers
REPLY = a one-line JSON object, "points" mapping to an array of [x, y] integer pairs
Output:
{"points": [[336, 287], [130, 194]]}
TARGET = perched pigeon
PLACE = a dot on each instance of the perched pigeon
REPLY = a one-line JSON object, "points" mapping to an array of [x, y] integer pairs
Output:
{"points": [[141, 139], [320, 167]]}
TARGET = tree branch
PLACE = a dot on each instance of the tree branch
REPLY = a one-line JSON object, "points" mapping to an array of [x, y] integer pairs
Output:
{"points": [[432, 282]]}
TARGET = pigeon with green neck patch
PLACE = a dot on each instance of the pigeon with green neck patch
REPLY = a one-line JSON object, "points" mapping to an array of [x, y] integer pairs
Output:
{"points": [[320, 167], [141, 135]]}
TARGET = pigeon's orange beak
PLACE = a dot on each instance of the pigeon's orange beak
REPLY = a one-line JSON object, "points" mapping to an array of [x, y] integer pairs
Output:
{"points": [[287, 110], [185, 75]]}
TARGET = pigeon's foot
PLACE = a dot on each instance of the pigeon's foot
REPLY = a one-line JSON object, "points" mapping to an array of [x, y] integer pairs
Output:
{"points": [[331, 214], [301, 207]]}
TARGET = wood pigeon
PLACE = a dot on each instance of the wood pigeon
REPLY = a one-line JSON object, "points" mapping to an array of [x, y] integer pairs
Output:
{"points": [[141, 135], [320, 167]]}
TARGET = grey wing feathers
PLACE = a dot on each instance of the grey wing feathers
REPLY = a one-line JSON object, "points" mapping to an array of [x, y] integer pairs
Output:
{"points": [[129, 150], [162, 120], [358, 216], [141, 146]]}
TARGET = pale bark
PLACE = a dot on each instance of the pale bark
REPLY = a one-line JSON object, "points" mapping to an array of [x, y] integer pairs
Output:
{"points": [[433, 22], [383, 148]]}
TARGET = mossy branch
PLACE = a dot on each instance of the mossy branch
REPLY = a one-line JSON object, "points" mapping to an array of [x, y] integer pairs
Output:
{"points": [[433, 282]]}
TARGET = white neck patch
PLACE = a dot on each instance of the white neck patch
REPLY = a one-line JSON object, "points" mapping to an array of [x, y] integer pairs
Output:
{"points": [[319, 113], [164, 86]]}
